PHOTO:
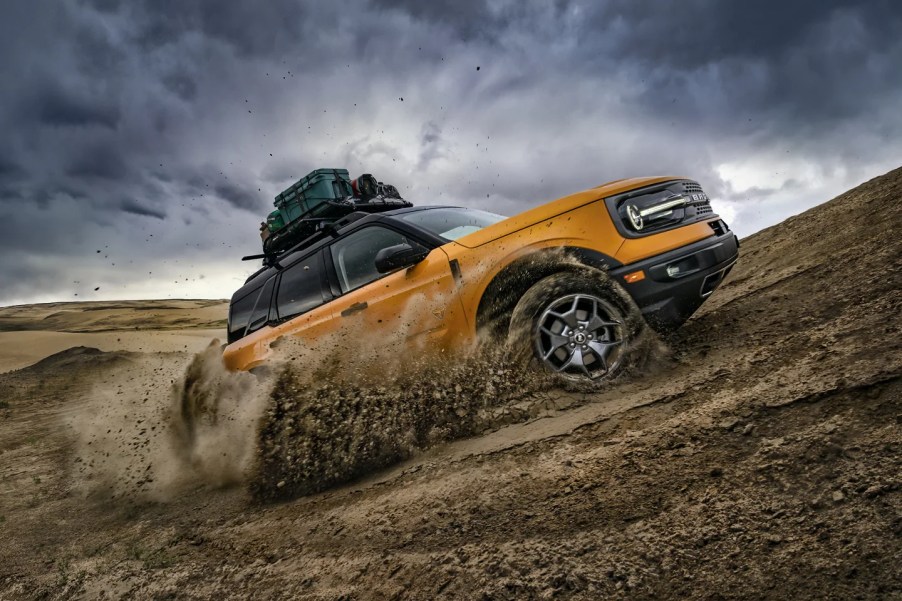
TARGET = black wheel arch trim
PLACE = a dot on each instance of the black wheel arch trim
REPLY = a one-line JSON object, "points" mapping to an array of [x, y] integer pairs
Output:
{"points": [[505, 289]]}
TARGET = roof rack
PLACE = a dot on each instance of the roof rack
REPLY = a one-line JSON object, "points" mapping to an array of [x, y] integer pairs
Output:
{"points": [[307, 230]]}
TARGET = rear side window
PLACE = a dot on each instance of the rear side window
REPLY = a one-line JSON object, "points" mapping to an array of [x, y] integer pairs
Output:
{"points": [[239, 314], [301, 287], [260, 315]]}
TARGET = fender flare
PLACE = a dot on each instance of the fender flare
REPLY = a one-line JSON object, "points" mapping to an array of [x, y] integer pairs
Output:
{"points": [[505, 289]]}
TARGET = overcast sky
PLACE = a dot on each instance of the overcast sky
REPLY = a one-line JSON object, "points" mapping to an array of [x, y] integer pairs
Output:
{"points": [[158, 132]]}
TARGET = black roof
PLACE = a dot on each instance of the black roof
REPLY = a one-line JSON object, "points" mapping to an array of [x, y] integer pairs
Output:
{"points": [[258, 278], [420, 208]]}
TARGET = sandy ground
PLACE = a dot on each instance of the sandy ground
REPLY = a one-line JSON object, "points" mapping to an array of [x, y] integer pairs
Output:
{"points": [[759, 458], [28, 333], [21, 349]]}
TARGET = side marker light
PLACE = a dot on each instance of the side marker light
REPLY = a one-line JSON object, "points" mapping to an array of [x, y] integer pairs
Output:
{"points": [[634, 277]]}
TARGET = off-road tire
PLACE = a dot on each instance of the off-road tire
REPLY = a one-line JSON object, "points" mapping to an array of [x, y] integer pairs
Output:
{"points": [[578, 285]]}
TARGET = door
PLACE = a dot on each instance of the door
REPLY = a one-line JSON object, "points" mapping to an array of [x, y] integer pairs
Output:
{"points": [[416, 306], [298, 313]]}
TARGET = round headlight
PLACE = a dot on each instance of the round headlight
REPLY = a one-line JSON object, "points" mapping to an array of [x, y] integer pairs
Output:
{"points": [[635, 217]]}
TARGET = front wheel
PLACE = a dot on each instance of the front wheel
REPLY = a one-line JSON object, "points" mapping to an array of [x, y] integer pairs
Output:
{"points": [[578, 325]]}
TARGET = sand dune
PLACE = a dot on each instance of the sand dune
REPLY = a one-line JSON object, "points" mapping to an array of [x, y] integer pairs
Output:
{"points": [[28, 333], [21, 349], [105, 316]]}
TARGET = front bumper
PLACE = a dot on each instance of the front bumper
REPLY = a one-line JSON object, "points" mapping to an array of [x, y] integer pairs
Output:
{"points": [[676, 283]]}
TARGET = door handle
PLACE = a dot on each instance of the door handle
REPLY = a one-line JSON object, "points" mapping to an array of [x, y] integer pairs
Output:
{"points": [[355, 308]]}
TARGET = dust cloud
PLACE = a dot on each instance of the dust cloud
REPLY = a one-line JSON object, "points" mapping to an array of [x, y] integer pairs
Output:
{"points": [[325, 411], [354, 401], [350, 403], [135, 441]]}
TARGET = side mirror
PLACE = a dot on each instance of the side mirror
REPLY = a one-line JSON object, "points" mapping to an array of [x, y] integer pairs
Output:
{"points": [[399, 256]]}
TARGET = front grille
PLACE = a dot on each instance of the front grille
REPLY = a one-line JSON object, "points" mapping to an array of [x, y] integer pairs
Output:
{"points": [[697, 207], [697, 198]]}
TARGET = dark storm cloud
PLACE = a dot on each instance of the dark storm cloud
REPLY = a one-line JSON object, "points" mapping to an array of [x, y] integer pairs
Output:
{"points": [[182, 85], [100, 161], [9, 169], [239, 197], [133, 207], [56, 106], [253, 29], [107, 6], [128, 119], [693, 33], [430, 144], [469, 18], [778, 58], [477, 19], [279, 171]]}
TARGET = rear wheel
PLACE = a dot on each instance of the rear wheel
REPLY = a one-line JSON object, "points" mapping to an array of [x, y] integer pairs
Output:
{"points": [[578, 325]]}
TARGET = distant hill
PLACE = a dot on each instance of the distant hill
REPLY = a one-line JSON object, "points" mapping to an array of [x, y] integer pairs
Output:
{"points": [[107, 316]]}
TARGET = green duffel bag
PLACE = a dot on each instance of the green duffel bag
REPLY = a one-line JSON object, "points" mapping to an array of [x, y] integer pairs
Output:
{"points": [[275, 221]]}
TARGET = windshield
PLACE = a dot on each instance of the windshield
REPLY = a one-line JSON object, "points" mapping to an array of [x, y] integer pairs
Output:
{"points": [[451, 223]]}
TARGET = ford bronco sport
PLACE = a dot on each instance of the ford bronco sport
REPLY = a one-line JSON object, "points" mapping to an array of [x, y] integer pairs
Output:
{"points": [[565, 281]]}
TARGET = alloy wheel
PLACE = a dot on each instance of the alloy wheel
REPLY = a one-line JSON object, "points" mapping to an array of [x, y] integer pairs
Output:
{"points": [[580, 334]]}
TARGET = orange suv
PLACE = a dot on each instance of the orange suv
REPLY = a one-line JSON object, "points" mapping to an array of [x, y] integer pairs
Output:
{"points": [[564, 282]]}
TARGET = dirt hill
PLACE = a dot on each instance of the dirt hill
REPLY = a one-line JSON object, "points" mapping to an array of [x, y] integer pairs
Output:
{"points": [[761, 460]]}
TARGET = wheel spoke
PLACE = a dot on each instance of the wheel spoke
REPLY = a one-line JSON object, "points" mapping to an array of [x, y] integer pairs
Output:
{"points": [[556, 340], [576, 360], [601, 349], [561, 317], [569, 317], [596, 321]]}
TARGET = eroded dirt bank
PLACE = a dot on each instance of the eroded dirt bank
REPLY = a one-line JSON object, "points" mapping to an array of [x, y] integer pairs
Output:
{"points": [[762, 461]]}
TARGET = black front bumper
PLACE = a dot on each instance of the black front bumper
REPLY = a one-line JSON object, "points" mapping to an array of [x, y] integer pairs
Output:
{"points": [[667, 299]]}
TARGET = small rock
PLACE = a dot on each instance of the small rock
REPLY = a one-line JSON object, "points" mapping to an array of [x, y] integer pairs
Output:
{"points": [[749, 428], [873, 491], [729, 423], [838, 496], [280, 484], [774, 539]]}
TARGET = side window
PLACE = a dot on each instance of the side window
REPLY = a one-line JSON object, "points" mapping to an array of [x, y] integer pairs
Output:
{"points": [[261, 312], [300, 289], [355, 256], [239, 313]]}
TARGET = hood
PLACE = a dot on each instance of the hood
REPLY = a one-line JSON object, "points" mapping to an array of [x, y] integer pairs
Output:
{"points": [[557, 207]]}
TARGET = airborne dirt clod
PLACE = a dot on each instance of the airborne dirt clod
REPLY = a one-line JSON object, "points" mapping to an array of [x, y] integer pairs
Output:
{"points": [[762, 461]]}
